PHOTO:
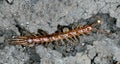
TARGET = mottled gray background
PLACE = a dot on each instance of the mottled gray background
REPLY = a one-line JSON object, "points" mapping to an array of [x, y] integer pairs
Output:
{"points": [[46, 15]]}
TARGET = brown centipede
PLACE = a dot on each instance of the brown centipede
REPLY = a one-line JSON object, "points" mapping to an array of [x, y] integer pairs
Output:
{"points": [[45, 38]]}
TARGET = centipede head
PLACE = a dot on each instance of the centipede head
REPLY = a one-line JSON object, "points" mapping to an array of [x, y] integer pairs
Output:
{"points": [[96, 26]]}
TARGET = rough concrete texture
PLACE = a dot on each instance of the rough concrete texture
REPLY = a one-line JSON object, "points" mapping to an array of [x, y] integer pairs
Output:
{"points": [[46, 15], [11, 55]]}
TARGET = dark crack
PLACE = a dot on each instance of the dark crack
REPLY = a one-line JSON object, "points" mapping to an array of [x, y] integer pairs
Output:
{"points": [[10, 2], [21, 29], [93, 60], [118, 6]]}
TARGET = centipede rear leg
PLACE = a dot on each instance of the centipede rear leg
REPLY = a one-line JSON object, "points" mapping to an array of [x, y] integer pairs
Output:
{"points": [[42, 32]]}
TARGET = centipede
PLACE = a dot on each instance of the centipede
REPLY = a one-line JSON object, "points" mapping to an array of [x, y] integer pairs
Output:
{"points": [[44, 38]]}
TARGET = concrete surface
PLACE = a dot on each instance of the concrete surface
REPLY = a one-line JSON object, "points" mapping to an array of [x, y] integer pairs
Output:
{"points": [[46, 15]]}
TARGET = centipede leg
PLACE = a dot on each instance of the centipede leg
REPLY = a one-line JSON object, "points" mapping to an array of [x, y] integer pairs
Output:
{"points": [[62, 42], [78, 26], [56, 42], [33, 34], [69, 40], [75, 39], [30, 35], [42, 32], [45, 44]]}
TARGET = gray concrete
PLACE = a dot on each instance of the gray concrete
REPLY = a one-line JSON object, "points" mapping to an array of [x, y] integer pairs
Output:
{"points": [[46, 15]]}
